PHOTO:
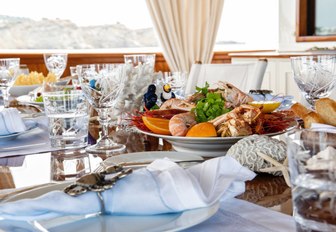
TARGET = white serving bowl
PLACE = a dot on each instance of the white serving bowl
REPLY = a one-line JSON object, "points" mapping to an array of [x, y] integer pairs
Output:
{"points": [[20, 90]]}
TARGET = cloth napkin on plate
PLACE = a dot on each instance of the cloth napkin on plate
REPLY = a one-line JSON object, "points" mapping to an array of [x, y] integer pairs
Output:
{"points": [[162, 187], [11, 121]]}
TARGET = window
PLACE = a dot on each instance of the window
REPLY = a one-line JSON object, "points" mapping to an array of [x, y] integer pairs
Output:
{"points": [[316, 20], [249, 25], [64, 24], [126, 24]]}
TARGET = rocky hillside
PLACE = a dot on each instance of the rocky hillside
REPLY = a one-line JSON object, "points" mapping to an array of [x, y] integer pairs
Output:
{"points": [[25, 33]]}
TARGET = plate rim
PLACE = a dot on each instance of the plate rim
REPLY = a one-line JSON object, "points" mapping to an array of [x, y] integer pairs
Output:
{"points": [[14, 135], [184, 138], [178, 153], [23, 101], [210, 210]]}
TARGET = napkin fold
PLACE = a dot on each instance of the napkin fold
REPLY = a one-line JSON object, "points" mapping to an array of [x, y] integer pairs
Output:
{"points": [[162, 187], [11, 121]]}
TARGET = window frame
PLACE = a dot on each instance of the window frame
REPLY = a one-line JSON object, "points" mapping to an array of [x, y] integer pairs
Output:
{"points": [[305, 23]]}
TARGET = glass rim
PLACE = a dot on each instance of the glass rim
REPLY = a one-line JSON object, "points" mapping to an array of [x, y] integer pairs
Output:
{"points": [[98, 65], [55, 53], [143, 54]]}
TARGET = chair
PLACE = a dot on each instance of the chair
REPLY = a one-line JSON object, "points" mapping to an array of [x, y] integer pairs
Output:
{"points": [[245, 76]]}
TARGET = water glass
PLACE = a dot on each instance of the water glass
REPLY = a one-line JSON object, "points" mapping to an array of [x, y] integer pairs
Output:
{"points": [[67, 112], [315, 76], [140, 59], [177, 81], [312, 164]]}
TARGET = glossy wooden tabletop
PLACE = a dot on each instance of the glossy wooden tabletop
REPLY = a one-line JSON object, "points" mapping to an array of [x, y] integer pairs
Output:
{"points": [[36, 169]]}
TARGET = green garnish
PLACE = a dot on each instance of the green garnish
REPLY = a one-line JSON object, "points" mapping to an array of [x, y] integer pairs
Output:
{"points": [[209, 107], [39, 99], [203, 90]]}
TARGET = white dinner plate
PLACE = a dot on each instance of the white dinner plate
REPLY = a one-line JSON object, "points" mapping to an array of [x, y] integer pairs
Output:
{"points": [[162, 222], [203, 146], [30, 126], [27, 99], [149, 156]]}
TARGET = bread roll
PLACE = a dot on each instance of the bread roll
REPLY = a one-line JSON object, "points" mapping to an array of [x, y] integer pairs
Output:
{"points": [[312, 117], [299, 110], [326, 108]]}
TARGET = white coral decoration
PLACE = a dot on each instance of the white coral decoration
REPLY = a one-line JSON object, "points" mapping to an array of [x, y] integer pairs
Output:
{"points": [[247, 151], [136, 82]]}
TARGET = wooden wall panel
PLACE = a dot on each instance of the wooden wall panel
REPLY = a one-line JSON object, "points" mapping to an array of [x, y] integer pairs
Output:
{"points": [[35, 61]]}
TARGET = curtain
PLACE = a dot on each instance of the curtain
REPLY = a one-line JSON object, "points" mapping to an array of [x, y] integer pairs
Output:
{"points": [[187, 30]]}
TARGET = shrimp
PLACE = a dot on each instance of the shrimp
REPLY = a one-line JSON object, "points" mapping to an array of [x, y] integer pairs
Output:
{"points": [[179, 104], [180, 123], [245, 112], [233, 96]]}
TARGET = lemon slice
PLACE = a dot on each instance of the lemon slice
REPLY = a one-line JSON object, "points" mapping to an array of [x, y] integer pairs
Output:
{"points": [[266, 106]]}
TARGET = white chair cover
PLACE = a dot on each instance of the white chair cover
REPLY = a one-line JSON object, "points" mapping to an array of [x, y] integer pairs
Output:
{"points": [[245, 76]]}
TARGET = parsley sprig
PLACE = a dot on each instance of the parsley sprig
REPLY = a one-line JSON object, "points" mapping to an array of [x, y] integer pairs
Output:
{"points": [[209, 107]]}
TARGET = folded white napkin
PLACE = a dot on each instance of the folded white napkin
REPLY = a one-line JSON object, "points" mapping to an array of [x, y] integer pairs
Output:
{"points": [[323, 127], [11, 121], [162, 187]]}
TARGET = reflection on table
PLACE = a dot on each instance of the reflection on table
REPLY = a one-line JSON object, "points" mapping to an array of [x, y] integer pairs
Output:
{"points": [[265, 190]]}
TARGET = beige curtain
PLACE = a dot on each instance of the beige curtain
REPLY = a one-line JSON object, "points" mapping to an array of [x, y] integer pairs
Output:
{"points": [[187, 30]]}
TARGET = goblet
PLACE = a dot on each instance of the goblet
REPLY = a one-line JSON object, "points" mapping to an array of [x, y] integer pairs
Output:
{"points": [[9, 69], [101, 85], [315, 76], [56, 63]]}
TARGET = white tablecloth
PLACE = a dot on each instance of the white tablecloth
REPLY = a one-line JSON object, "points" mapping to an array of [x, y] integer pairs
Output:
{"points": [[237, 215]]}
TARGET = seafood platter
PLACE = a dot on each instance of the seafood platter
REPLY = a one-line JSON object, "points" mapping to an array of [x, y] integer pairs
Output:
{"points": [[210, 121]]}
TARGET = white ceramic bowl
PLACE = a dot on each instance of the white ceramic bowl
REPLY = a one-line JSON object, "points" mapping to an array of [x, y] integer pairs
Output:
{"points": [[20, 90]]}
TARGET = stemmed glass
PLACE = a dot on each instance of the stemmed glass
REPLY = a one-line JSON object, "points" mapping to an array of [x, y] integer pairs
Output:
{"points": [[56, 63], [315, 76], [101, 85], [9, 69]]}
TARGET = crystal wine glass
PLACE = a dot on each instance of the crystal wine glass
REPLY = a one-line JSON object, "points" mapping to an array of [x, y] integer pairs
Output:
{"points": [[315, 76], [101, 84], [56, 63], [9, 69]]}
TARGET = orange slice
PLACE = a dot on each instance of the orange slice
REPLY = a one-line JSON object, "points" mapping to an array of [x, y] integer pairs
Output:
{"points": [[203, 129], [157, 125], [266, 106]]}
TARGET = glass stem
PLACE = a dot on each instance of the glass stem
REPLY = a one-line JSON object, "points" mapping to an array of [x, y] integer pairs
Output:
{"points": [[5, 96], [104, 122]]}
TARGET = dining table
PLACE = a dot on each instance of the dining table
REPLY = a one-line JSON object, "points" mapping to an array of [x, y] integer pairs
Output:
{"points": [[266, 204]]}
